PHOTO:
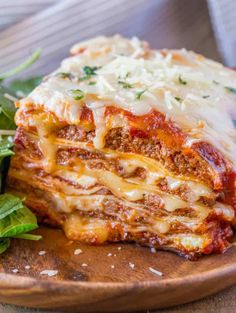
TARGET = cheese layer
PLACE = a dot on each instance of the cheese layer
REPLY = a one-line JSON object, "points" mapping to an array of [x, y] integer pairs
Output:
{"points": [[197, 93]]}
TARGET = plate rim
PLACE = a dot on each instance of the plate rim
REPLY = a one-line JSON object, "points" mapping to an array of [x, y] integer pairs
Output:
{"points": [[19, 290]]}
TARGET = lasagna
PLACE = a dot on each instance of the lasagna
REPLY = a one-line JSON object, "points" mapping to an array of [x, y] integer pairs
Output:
{"points": [[126, 143]]}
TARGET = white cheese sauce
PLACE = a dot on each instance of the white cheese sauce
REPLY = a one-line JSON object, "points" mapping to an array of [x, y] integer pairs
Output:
{"points": [[188, 88]]}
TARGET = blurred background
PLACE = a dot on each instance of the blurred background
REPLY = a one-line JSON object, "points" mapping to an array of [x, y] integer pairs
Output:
{"points": [[205, 26]]}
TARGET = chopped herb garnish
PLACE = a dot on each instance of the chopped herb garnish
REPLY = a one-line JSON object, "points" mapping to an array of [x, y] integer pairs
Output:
{"points": [[206, 96], [178, 99], [92, 83], [215, 82], [64, 75], [125, 84], [84, 78], [181, 81], [78, 94], [231, 89], [89, 71], [139, 94]]}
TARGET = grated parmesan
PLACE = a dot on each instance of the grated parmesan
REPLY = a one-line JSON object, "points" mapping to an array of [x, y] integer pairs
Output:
{"points": [[49, 272], [158, 73], [42, 252], [131, 265], [15, 270], [156, 272], [77, 251]]}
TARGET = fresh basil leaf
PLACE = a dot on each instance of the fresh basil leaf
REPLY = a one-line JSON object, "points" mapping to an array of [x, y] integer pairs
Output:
{"points": [[28, 237], [23, 66], [18, 222], [9, 204], [4, 244], [23, 87]]}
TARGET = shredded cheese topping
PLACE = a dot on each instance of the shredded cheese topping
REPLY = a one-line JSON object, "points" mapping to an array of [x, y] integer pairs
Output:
{"points": [[190, 89]]}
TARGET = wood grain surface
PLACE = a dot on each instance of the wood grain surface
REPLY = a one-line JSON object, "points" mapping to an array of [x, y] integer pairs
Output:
{"points": [[109, 278], [223, 302]]}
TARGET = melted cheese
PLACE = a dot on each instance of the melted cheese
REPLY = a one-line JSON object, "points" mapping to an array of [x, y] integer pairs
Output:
{"points": [[129, 161], [96, 230], [155, 171], [177, 83], [191, 241], [71, 197]]}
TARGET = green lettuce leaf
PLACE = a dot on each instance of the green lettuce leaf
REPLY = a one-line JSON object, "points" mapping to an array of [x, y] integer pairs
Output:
{"points": [[24, 87], [4, 244], [23, 66], [18, 222], [7, 110], [28, 237], [9, 204]]}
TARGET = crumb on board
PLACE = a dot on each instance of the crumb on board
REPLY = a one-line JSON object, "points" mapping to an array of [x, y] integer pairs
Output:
{"points": [[156, 272], [27, 267], [15, 270], [109, 254], [131, 265], [49, 272], [77, 251], [84, 264], [42, 252]]}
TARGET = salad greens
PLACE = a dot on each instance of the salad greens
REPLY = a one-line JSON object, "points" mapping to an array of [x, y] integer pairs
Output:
{"points": [[16, 220], [23, 66], [23, 87]]}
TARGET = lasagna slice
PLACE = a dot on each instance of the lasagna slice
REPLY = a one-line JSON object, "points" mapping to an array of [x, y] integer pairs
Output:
{"points": [[125, 143]]}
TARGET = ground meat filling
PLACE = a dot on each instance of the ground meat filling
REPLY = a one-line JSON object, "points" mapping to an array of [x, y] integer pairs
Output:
{"points": [[175, 161], [122, 140], [28, 148]]}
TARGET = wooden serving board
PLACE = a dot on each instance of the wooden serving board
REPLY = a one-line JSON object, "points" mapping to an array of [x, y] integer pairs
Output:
{"points": [[117, 277]]}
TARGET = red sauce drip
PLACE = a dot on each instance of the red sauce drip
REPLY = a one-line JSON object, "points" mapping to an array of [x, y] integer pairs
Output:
{"points": [[230, 189], [87, 115]]}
